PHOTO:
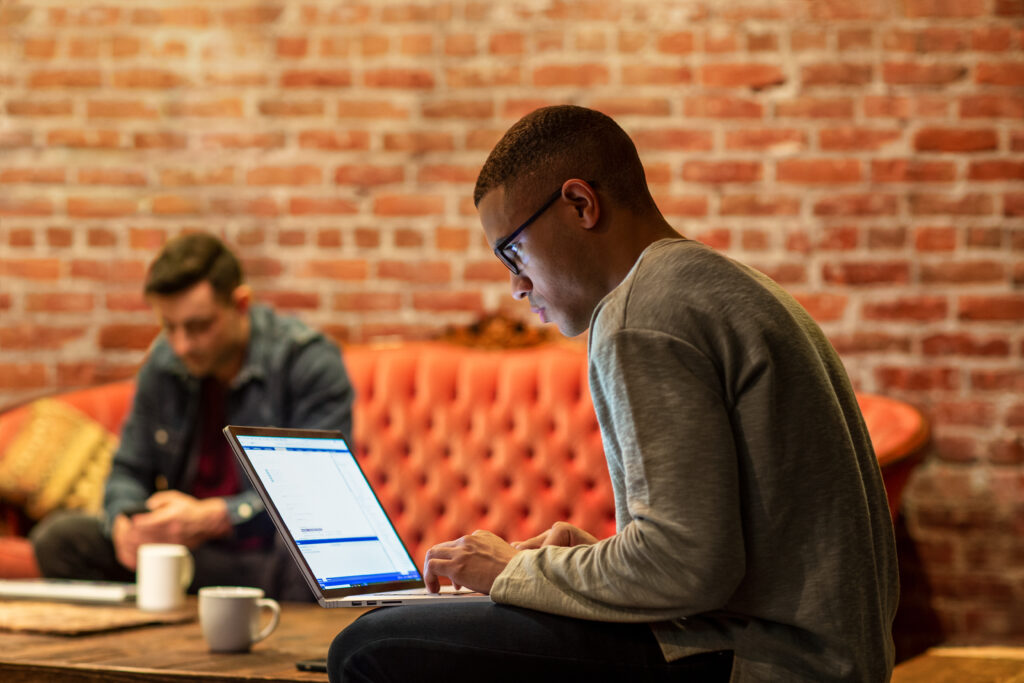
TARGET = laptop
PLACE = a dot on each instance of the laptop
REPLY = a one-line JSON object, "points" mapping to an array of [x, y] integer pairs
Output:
{"points": [[332, 521], [68, 590]]}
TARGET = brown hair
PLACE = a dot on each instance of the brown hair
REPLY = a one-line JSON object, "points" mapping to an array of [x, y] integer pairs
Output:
{"points": [[188, 260], [553, 144]]}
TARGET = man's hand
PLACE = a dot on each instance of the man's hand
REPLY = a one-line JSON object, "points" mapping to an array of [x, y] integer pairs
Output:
{"points": [[561, 534], [173, 517], [126, 543], [177, 517], [472, 561]]}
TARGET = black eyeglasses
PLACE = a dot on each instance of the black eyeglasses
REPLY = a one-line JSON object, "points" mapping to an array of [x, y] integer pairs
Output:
{"points": [[507, 252]]}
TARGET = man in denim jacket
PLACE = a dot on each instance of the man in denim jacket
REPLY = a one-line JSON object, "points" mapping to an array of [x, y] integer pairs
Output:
{"points": [[219, 360]]}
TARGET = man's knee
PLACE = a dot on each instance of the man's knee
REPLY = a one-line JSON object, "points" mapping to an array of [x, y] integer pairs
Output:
{"points": [[65, 542], [357, 653]]}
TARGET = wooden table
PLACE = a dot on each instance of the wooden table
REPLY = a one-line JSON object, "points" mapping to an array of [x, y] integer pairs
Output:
{"points": [[963, 665], [173, 653], [178, 653]]}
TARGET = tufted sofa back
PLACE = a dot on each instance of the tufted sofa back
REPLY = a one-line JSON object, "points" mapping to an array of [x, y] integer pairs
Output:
{"points": [[456, 439]]}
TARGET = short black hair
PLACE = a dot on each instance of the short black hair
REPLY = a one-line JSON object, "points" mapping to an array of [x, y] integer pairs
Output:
{"points": [[187, 260], [553, 144]]}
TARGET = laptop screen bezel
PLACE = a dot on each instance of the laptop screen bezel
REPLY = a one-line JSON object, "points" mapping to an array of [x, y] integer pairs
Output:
{"points": [[232, 432]]}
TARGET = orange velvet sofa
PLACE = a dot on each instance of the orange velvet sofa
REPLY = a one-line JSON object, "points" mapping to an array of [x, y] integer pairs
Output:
{"points": [[455, 439]]}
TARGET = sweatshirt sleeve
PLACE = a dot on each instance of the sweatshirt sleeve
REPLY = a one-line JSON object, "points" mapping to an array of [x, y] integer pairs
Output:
{"points": [[679, 549]]}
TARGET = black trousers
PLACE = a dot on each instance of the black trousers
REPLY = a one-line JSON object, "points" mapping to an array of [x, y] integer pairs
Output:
{"points": [[72, 545], [475, 642]]}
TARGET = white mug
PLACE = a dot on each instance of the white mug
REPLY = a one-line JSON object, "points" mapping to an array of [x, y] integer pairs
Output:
{"points": [[230, 617], [163, 574]]}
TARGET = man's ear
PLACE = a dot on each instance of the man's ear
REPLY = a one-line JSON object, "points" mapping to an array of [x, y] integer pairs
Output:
{"points": [[585, 201], [241, 298]]}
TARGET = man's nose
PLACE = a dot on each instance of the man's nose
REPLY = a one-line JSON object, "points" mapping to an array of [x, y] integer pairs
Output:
{"points": [[180, 343], [521, 286]]}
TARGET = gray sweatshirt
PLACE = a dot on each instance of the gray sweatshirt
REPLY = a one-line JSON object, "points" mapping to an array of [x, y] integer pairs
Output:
{"points": [[750, 509]]}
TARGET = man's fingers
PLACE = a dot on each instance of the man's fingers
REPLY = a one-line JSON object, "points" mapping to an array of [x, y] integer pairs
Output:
{"points": [[160, 499], [156, 517], [145, 524], [125, 541], [439, 550], [555, 537], [437, 558], [433, 571], [472, 561], [530, 543], [127, 561]]}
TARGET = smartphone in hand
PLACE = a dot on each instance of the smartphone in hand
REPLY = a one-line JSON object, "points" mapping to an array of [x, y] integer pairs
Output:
{"points": [[135, 509]]}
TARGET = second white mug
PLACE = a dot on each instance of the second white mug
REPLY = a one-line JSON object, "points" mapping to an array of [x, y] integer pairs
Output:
{"points": [[230, 617], [163, 573]]}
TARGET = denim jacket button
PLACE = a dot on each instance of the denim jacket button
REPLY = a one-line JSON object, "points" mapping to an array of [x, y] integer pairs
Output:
{"points": [[160, 436]]}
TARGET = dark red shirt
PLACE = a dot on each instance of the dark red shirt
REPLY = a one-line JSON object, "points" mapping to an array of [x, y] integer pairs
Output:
{"points": [[216, 473]]}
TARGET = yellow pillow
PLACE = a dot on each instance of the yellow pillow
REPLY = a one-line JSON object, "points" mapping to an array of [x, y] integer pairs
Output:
{"points": [[60, 458]]}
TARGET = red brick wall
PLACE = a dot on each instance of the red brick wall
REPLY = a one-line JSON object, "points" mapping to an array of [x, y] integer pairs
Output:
{"points": [[867, 154]]}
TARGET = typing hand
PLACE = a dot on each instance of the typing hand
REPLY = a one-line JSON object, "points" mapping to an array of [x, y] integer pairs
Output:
{"points": [[561, 534], [472, 561]]}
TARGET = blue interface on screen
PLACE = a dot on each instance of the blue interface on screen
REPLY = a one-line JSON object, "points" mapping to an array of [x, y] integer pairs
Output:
{"points": [[330, 510]]}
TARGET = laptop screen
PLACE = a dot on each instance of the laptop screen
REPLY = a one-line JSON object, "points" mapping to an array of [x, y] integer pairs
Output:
{"points": [[329, 509]]}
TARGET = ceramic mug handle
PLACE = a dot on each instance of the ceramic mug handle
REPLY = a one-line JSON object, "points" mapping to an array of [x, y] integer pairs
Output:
{"points": [[275, 617], [188, 570]]}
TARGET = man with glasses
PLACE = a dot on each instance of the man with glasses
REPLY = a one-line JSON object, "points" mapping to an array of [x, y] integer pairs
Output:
{"points": [[753, 538], [219, 360]]}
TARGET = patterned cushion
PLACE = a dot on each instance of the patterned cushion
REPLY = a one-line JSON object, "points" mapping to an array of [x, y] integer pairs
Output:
{"points": [[59, 458]]}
